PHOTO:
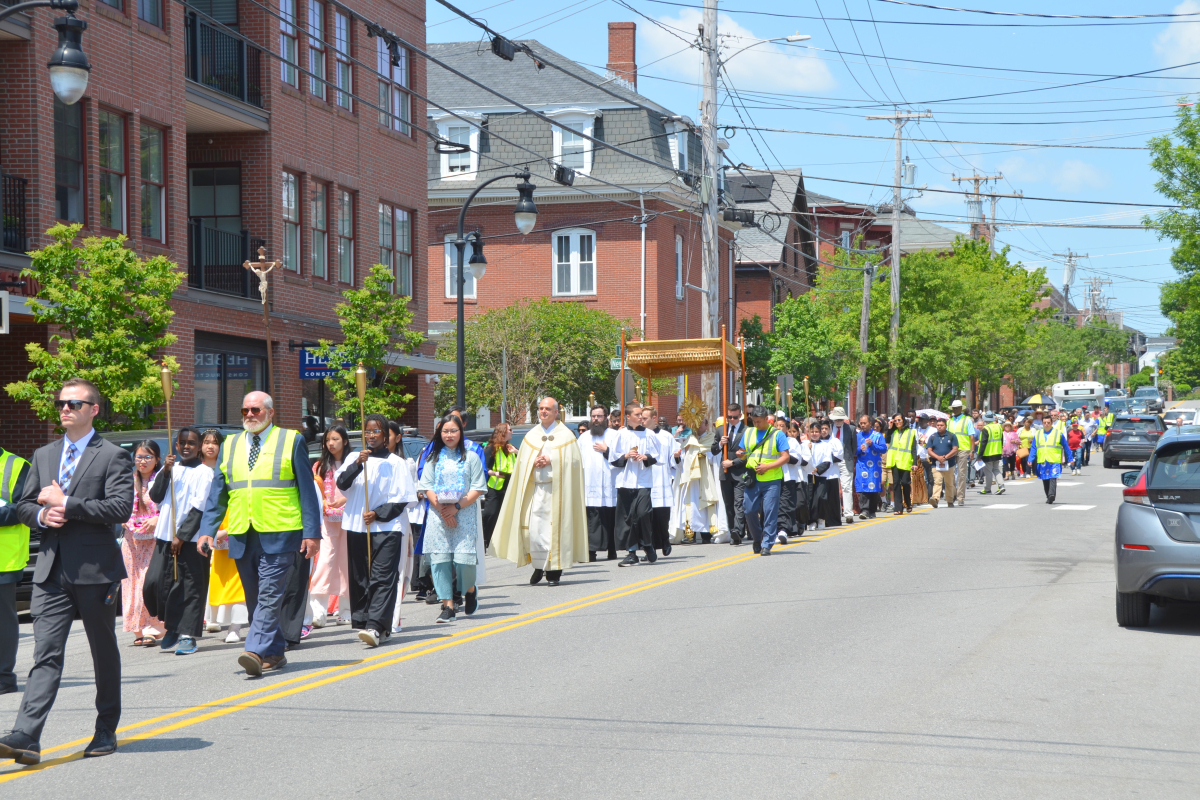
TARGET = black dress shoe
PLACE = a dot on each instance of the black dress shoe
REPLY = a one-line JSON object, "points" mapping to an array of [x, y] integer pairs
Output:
{"points": [[104, 743], [472, 602], [612, 555], [536, 577], [22, 747], [651, 556], [591, 556], [553, 576], [431, 599], [667, 549], [8, 689], [734, 541]]}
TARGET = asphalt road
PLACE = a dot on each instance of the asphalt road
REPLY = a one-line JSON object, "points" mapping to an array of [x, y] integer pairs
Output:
{"points": [[967, 652]]}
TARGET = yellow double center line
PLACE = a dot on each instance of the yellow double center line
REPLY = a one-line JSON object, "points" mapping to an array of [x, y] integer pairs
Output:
{"points": [[213, 709]]}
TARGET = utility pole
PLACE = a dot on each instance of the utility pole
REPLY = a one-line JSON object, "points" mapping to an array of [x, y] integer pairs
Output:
{"points": [[710, 312], [1069, 277], [898, 119], [992, 225], [975, 202]]}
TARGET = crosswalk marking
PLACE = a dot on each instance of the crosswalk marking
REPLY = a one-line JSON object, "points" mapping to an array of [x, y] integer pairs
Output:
{"points": [[1073, 508], [1007, 506]]}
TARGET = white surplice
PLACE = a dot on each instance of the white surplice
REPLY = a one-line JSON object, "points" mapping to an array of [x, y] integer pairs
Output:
{"points": [[599, 476]]}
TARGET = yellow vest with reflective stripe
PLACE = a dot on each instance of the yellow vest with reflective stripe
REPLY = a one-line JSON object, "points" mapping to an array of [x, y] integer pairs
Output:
{"points": [[995, 442], [14, 539], [1106, 422], [1049, 446], [899, 454], [504, 462], [960, 426], [265, 497], [767, 453]]}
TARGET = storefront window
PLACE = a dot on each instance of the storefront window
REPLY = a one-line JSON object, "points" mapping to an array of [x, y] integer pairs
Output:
{"points": [[221, 381]]}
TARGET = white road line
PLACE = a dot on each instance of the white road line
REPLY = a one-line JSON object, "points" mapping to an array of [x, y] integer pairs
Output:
{"points": [[1072, 508], [1112, 486], [1070, 483], [1007, 506]]}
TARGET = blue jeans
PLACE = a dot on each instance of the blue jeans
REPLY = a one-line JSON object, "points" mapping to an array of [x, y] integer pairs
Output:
{"points": [[264, 579], [762, 497]]}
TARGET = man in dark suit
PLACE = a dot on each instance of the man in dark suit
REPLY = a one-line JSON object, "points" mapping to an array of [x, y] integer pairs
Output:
{"points": [[731, 487], [78, 488]]}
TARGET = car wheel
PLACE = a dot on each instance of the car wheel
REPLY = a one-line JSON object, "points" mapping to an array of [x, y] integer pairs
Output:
{"points": [[1133, 609], [1109, 463]]}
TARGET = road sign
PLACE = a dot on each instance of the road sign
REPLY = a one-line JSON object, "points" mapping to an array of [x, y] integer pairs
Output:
{"points": [[614, 364]]}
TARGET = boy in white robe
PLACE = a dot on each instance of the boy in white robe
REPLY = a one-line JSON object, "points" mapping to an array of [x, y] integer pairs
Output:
{"points": [[634, 454]]}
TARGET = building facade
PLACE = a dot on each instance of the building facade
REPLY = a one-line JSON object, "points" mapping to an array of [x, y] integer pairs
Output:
{"points": [[208, 130], [624, 237]]}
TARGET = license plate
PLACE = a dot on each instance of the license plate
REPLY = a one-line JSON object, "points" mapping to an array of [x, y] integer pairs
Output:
{"points": [[1133, 439]]}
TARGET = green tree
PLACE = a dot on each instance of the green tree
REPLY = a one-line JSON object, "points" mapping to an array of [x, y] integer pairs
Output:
{"points": [[808, 342], [110, 310], [1140, 379], [375, 322], [758, 356], [552, 348], [1176, 158], [1054, 348]]}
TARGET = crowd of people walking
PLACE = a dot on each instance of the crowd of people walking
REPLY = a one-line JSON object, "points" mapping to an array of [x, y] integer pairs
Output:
{"points": [[245, 533]]}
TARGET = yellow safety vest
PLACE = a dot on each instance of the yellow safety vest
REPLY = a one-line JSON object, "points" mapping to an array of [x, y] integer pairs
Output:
{"points": [[899, 453], [768, 452], [14, 539], [265, 497], [504, 462], [960, 427], [1106, 422], [995, 443], [1049, 446]]}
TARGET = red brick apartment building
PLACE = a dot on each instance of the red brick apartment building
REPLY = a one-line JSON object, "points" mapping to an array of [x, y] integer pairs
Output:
{"points": [[209, 129], [588, 243]]}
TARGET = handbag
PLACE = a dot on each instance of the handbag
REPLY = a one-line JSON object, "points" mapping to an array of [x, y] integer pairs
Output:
{"points": [[748, 476]]}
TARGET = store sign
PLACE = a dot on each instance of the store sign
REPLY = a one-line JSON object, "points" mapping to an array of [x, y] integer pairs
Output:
{"points": [[313, 367]]}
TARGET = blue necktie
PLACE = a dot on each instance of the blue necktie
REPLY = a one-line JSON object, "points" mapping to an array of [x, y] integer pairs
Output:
{"points": [[68, 467]]}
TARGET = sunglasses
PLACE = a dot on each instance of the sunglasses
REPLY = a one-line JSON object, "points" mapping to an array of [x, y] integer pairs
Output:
{"points": [[255, 410], [74, 405]]}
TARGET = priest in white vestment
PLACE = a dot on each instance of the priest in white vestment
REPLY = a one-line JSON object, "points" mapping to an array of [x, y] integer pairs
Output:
{"points": [[600, 487], [543, 521], [696, 513]]}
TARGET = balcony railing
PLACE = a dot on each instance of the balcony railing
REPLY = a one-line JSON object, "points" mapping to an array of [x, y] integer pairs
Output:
{"points": [[15, 237], [215, 259], [223, 62]]}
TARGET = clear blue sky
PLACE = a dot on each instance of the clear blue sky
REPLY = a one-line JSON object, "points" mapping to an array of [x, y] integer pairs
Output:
{"points": [[810, 88]]}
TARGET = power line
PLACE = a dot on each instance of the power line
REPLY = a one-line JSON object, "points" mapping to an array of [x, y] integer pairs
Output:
{"points": [[938, 141], [1043, 16]]}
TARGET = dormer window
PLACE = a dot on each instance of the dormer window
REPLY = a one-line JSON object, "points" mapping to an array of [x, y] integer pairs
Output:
{"points": [[459, 166], [571, 148]]}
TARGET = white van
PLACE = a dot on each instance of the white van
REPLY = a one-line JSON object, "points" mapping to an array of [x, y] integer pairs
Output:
{"points": [[1077, 394]]}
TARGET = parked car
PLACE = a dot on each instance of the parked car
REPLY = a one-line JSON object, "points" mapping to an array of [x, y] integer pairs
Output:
{"points": [[1154, 400], [1157, 542], [1132, 438], [413, 443], [482, 436]]}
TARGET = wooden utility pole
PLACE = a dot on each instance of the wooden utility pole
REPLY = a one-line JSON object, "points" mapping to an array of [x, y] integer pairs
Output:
{"points": [[975, 202], [898, 119]]}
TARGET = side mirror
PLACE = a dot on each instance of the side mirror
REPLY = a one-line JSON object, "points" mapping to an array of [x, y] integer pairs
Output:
{"points": [[1131, 477]]}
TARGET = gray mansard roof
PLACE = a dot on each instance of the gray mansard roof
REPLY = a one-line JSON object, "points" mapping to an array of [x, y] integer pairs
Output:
{"points": [[631, 121]]}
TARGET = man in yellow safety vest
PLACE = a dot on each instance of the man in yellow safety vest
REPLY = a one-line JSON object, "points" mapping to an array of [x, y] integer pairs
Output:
{"points": [[14, 555], [263, 491], [963, 428]]}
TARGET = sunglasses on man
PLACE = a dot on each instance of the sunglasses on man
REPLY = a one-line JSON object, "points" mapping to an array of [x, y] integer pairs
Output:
{"points": [[255, 410], [74, 405]]}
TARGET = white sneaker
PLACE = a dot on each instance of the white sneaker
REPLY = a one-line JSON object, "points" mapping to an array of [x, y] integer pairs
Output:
{"points": [[340, 620], [318, 621], [369, 637], [397, 629], [781, 538], [211, 627], [232, 637]]}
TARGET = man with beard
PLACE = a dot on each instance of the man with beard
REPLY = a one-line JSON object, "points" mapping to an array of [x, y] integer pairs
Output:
{"points": [[262, 482], [599, 482]]}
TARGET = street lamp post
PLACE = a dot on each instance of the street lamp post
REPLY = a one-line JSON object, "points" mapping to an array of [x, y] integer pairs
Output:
{"points": [[525, 216], [69, 66]]}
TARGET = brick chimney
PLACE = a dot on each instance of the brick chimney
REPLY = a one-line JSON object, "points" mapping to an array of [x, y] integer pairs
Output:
{"points": [[622, 51]]}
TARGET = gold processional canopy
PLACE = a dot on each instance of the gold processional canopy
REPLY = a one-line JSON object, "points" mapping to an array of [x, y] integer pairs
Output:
{"points": [[670, 358]]}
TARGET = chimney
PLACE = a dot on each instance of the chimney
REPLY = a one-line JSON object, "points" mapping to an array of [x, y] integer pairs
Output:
{"points": [[622, 51]]}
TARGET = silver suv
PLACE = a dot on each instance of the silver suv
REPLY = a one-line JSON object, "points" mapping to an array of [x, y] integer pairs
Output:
{"points": [[1152, 398], [1158, 530]]}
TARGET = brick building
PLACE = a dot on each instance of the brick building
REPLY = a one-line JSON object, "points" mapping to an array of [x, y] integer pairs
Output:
{"points": [[588, 245], [208, 130]]}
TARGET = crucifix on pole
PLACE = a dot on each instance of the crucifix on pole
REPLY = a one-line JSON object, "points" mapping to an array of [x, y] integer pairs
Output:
{"points": [[262, 269]]}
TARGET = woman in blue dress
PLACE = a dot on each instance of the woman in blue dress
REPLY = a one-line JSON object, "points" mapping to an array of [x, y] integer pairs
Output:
{"points": [[1046, 450], [868, 465], [452, 481]]}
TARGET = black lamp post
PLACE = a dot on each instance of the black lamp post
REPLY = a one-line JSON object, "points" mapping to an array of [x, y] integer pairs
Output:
{"points": [[525, 215], [69, 66]]}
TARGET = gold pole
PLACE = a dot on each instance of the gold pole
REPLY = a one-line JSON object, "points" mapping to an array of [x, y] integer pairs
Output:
{"points": [[165, 376], [807, 403], [621, 400], [721, 390], [360, 383]]}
